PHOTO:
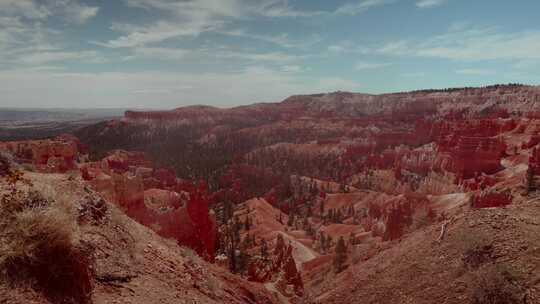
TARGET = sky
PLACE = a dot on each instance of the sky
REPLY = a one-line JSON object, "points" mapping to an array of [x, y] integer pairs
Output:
{"points": [[167, 54]]}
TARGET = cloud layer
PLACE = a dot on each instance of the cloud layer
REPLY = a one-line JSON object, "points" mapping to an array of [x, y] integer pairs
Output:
{"points": [[165, 53]]}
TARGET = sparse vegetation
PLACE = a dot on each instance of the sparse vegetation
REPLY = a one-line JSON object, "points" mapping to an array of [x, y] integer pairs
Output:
{"points": [[529, 182], [39, 247], [340, 257], [496, 285], [476, 248]]}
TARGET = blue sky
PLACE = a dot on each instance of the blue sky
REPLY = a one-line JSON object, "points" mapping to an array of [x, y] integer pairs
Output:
{"points": [[165, 53]]}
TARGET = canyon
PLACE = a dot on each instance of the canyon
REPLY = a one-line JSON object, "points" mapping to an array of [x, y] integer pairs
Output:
{"points": [[417, 197]]}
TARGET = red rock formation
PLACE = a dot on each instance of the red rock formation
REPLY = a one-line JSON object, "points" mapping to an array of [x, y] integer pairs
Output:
{"points": [[399, 217], [471, 156], [163, 199], [279, 268], [4, 165], [50, 155], [204, 238], [119, 178], [490, 199], [289, 275], [165, 177], [533, 141], [534, 162], [480, 183]]}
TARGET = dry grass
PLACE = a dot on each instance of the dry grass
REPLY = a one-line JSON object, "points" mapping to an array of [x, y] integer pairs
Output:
{"points": [[496, 285], [476, 248], [39, 247]]}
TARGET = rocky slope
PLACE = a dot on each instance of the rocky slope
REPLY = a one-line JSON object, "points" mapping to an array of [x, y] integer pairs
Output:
{"points": [[127, 262]]}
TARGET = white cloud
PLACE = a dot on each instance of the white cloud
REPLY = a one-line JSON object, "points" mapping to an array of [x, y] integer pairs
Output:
{"points": [[362, 65], [475, 72], [360, 7], [160, 31], [429, 3], [282, 40], [347, 47], [337, 49], [291, 68], [20, 38], [211, 54], [193, 17], [160, 53], [70, 10], [395, 48], [39, 58], [276, 57], [25, 38], [159, 89], [471, 44], [342, 47], [155, 91], [414, 75], [224, 8], [78, 13], [24, 8]]}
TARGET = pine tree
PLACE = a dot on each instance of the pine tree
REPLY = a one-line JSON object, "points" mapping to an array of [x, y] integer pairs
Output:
{"points": [[329, 241], [232, 238], [529, 182], [339, 216], [309, 230], [247, 223], [340, 256], [309, 211], [352, 239], [264, 249], [305, 223], [290, 222], [323, 242], [280, 244], [242, 261], [351, 211]]}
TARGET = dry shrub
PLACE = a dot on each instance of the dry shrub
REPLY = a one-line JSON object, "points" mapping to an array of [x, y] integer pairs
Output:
{"points": [[4, 164], [39, 247], [496, 285], [476, 248], [92, 210], [478, 255]]}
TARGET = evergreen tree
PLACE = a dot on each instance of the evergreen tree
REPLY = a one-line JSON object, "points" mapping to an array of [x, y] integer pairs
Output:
{"points": [[305, 223], [352, 239], [290, 222], [340, 256], [339, 216], [280, 243], [309, 230], [309, 211], [231, 240], [247, 223], [329, 241], [323, 242], [529, 182], [264, 249], [242, 261]]}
